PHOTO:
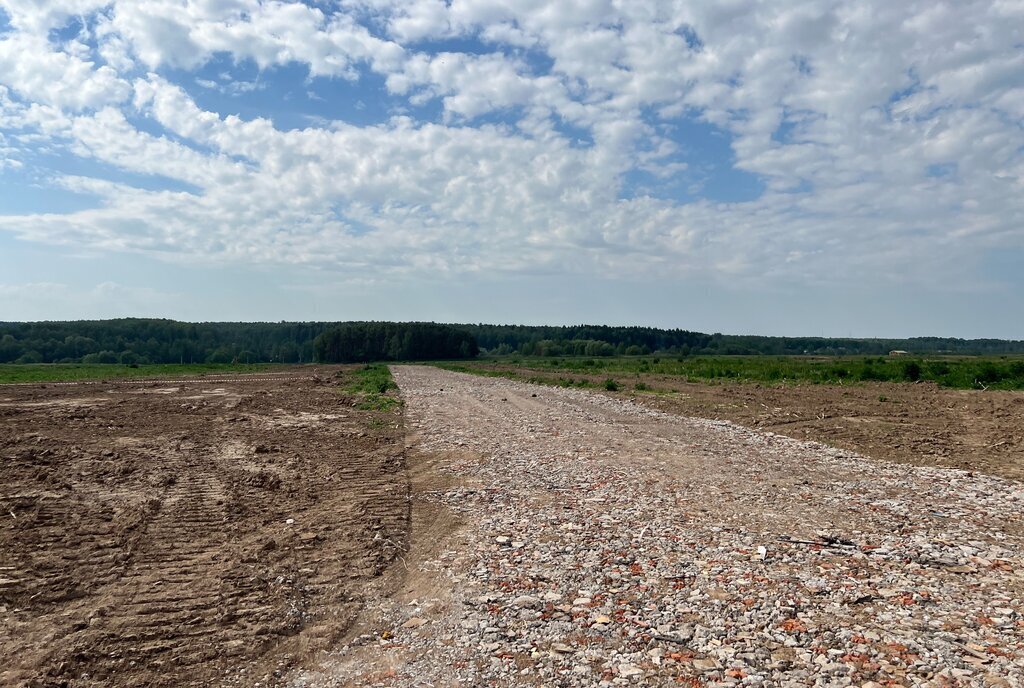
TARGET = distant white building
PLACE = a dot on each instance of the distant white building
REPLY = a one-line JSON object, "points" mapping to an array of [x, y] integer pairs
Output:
{"points": [[897, 352]]}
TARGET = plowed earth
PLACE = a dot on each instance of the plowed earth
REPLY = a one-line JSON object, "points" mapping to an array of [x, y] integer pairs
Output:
{"points": [[209, 531]]}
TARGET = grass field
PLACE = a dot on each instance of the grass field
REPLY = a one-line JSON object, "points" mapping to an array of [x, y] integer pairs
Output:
{"points": [[71, 372], [994, 372], [955, 372]]}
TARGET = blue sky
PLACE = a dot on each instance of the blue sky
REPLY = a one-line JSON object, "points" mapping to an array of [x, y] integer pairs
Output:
{"points": [[800, 168]]}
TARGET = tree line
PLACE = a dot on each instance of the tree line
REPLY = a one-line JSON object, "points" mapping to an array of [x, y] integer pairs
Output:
{"points": [[140, 341], [606, 340], [364, 342], [135, 341]]}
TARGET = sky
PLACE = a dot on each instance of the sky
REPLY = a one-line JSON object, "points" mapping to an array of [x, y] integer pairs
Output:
{"points": [[780, 168]]}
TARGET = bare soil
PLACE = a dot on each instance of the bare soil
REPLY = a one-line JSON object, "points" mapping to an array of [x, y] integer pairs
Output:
{"points": [[919, 424], [209, 531]]}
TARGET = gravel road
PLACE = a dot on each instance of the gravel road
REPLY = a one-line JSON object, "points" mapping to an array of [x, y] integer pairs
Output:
{"points": [[602, 543]]}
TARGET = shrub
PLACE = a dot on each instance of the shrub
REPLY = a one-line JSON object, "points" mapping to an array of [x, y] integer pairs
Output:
{"points": [[912, 371], [29, 357], [128, 358], [611, 385], [989, 374], [101, 357], [869, 372]]}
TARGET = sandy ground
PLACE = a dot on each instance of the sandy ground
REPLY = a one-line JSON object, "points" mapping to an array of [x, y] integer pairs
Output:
{"points": [[207, 531], [595, 541]]}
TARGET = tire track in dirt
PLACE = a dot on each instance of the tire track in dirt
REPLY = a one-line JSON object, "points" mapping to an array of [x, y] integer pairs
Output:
{"points": [[189, 535]]}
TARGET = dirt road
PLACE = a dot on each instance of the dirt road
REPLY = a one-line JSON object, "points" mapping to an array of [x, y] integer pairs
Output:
{"points": [[204, 531], [592, 541]]}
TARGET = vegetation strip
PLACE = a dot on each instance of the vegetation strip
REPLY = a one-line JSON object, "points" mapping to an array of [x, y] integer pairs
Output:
{"points": [[988, 372], [374, 384], [56, 373]]}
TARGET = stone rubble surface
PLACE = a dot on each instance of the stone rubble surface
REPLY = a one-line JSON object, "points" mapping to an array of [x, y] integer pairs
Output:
{"points": [[608, 544]]}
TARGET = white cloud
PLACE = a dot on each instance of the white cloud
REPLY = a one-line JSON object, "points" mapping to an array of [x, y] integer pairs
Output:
{"points": [[39, 16], [187, 34], [31, 67], [887, 136]]}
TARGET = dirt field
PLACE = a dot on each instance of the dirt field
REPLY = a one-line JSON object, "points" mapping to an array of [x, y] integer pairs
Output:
{"points": [[210, 531], [919, 424]]}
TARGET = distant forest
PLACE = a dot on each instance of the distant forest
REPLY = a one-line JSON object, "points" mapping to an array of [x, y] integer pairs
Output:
{"points": [[365, 342], [139, 341]]}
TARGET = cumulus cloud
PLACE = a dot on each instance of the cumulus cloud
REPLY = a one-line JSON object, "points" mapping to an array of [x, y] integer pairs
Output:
{"points": [[42, 73], [886, 139]]}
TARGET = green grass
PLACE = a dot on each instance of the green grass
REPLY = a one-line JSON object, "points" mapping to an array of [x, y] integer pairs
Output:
{"points": [[72, 372], [977, 372], [373, 383]]}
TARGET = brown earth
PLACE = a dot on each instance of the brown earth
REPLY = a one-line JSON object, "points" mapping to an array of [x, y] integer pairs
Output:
{"points": [[209, 531], [920, 424]]}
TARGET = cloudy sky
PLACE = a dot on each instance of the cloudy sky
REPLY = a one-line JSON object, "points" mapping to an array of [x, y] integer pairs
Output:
{"points": [[773, 167]]}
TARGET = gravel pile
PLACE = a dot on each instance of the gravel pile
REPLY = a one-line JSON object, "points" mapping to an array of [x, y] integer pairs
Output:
{"points": [[608, 544]]}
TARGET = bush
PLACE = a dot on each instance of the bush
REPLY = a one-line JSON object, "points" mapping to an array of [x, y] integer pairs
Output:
{"points": [[641, 387], [912, 371], [869, 372], [105, 357], [29, 357], [611, 385], [221, 355], [989, 374]]}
